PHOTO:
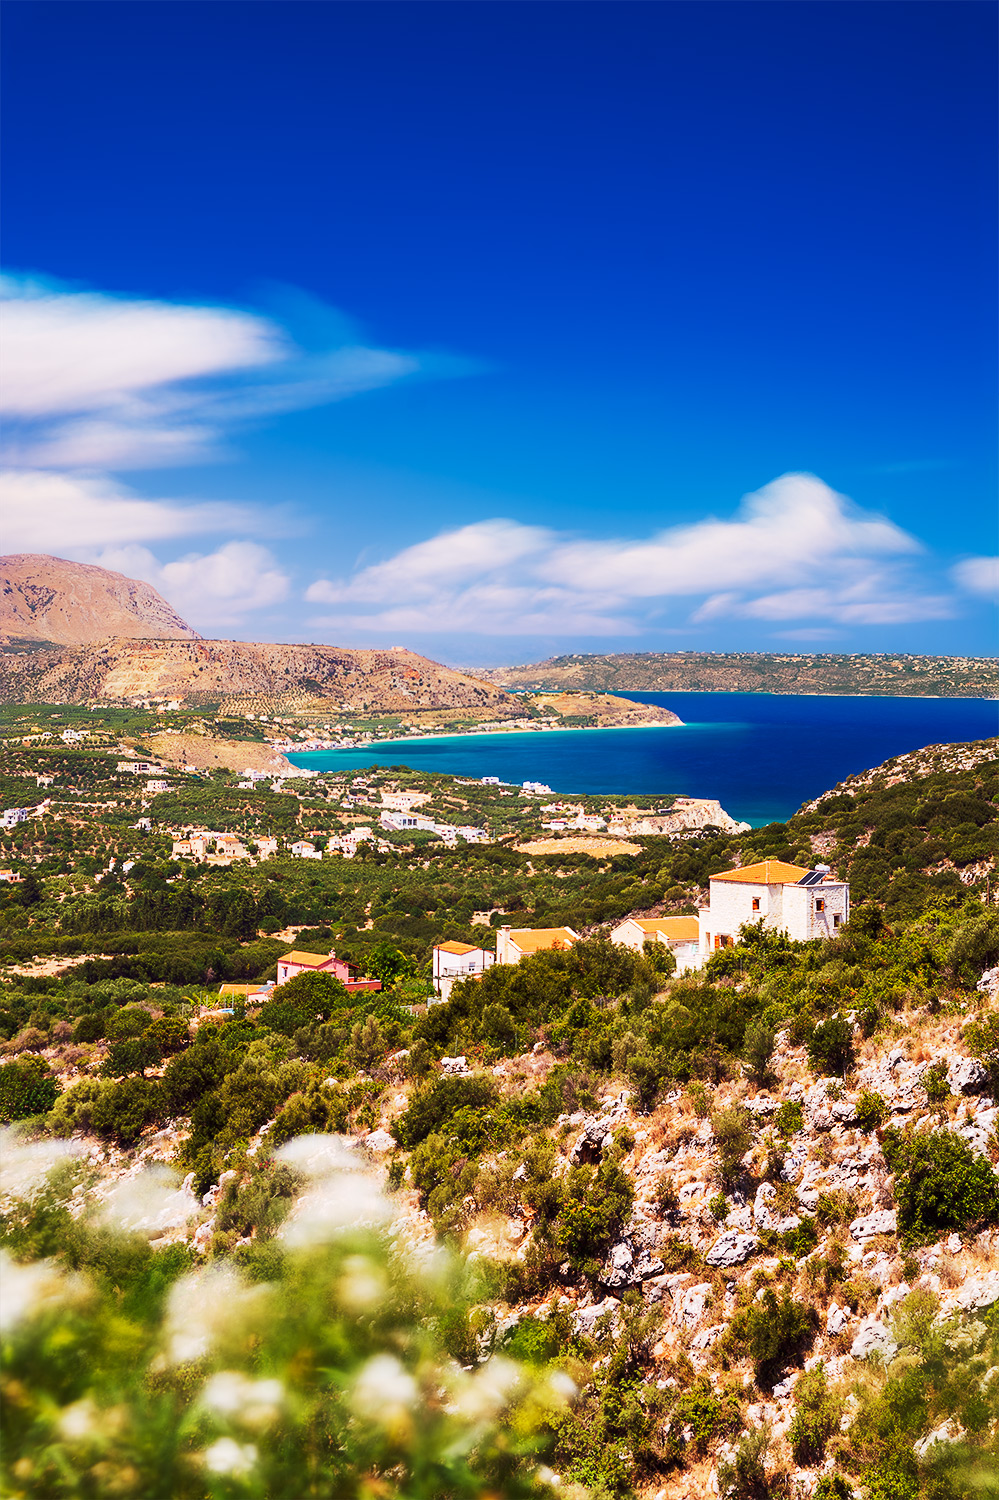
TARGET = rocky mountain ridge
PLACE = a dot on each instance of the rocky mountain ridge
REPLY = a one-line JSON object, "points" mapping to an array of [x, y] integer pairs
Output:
{"points": [[54, 601], [200, 671], [759, 672]]}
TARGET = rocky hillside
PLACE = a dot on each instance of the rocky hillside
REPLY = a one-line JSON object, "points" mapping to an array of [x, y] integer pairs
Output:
{"points": [[197, 672], [48, 599], [759, 672]]}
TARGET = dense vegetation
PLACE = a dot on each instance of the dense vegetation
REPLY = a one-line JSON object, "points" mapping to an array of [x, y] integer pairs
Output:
{"points": [[127, 1043]]}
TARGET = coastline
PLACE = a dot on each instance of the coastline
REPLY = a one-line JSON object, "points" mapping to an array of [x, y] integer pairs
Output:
{"points": [[464, 734]]}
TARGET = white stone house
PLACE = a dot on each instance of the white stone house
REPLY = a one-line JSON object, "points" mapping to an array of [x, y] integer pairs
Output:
{"points": [[513, 944], [680, 934], [804, 904], [454, 961]]}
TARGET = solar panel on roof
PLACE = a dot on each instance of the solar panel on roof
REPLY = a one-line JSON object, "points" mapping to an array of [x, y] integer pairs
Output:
{"points": [[814, 877]]}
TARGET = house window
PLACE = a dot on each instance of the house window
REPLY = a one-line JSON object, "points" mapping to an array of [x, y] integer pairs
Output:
{"points": [[820, 905], [837, 919], [756, 903]]}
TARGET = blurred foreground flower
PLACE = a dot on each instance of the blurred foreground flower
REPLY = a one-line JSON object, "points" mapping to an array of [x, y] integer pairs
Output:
{"points": [[329, 1364]]}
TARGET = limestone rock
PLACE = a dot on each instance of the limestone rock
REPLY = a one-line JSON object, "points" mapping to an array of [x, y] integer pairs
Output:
{"points": [[966, 1075], [872, 1338], [884, 1221], [732, 1248]]}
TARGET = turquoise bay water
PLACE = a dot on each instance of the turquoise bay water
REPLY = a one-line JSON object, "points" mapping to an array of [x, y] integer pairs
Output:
{"points": [[761, 755]]}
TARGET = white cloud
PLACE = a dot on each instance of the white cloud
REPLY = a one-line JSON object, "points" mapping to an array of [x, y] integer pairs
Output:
{"points": [[795, 550], [978, 575], [212, 590], [49, 512], [91, 380]]}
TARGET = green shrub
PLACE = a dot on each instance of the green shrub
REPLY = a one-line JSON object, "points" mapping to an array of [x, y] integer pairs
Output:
{"points": [[872, 1111], [774, 1333], [940, 1184], [830, 1046], [433, 1105], [122, 1110], [27, 1087], [935, 1083], [790, 1118], [833, 1487], [718, 1208], [816, 1418], [744, 1477], [758, 1049], [698, 1417], [975, 947], [733, 1132], [74, 1109]]}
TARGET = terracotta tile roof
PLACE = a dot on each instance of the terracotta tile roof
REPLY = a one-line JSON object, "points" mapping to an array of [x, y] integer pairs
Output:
{"points": [[458, 948], [534, 939], [767, 872], [680, 929], [305, 960]]}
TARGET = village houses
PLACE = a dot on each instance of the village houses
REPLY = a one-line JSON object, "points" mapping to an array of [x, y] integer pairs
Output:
{"points": [[679, 934], [513, 944], [298, 962]]}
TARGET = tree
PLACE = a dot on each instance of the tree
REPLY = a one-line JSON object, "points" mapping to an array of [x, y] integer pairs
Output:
{"points": [[27, 1087], [30, 891]]}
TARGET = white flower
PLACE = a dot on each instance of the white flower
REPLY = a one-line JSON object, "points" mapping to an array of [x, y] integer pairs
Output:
{"points": [[563, 1385], [384, 1392], [362, 1284], [229, 1457], [150, 1201], [27, 1290], [78, 1421], [232, 1394], [24, 1165], [481, 1396], [202, 1307]]}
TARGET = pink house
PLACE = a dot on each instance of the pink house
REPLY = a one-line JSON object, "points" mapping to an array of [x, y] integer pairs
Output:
{"points": [[298, 962]]}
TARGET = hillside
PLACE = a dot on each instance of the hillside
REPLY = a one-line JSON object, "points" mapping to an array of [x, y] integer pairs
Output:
{"points": [[760, 672], [200, 672], [49, 599], [734, 1233]]}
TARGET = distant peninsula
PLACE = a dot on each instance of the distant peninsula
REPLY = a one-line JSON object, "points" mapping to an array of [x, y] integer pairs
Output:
{"points": [[880, 675]]}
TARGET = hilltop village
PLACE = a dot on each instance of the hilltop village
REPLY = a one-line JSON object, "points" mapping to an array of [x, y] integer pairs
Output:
{"points": [[698, 1120]]}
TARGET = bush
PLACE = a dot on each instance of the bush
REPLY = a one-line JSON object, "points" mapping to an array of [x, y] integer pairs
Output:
{"points": [[758, 1049], [74, 1109], [935, 1083], [940, 1184], [872, 1111], [27, 1087], [773, 1333], [123, 1110], [816, 1418], [830, 1046], [432, 1106], [733, 1131], [790, 1118], [745, 1476], [975, 947]]}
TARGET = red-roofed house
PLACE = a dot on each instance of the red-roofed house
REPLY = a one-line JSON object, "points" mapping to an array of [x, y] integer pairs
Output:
{"points": [[299, 962], [804, 904]]}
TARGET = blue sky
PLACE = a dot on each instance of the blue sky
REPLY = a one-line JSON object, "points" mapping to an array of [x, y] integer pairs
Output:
{"points": [[471, 326]]}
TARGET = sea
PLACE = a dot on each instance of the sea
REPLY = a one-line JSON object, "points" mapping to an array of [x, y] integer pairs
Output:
{"points": [[762, 755]]}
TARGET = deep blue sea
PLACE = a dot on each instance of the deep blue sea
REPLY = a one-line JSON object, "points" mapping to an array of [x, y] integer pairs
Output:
{"points": [[761, 755]]}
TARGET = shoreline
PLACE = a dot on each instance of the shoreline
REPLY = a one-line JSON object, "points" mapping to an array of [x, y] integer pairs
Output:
{"points": [[464, 734]]}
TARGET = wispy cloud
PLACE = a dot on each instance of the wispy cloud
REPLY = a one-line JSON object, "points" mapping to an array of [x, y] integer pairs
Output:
{"points": [[794, 551], [978, 575], [92, 380]]}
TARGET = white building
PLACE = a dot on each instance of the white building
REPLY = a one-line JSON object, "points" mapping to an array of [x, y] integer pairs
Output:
{"points": [[679, 934], [454, 961], [303, 849], [514, 944], [14, 815], [804, 904]]}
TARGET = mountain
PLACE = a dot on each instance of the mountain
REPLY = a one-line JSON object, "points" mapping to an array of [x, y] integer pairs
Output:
{"points": [[245, 676], [50, 600], [760, 672]]}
